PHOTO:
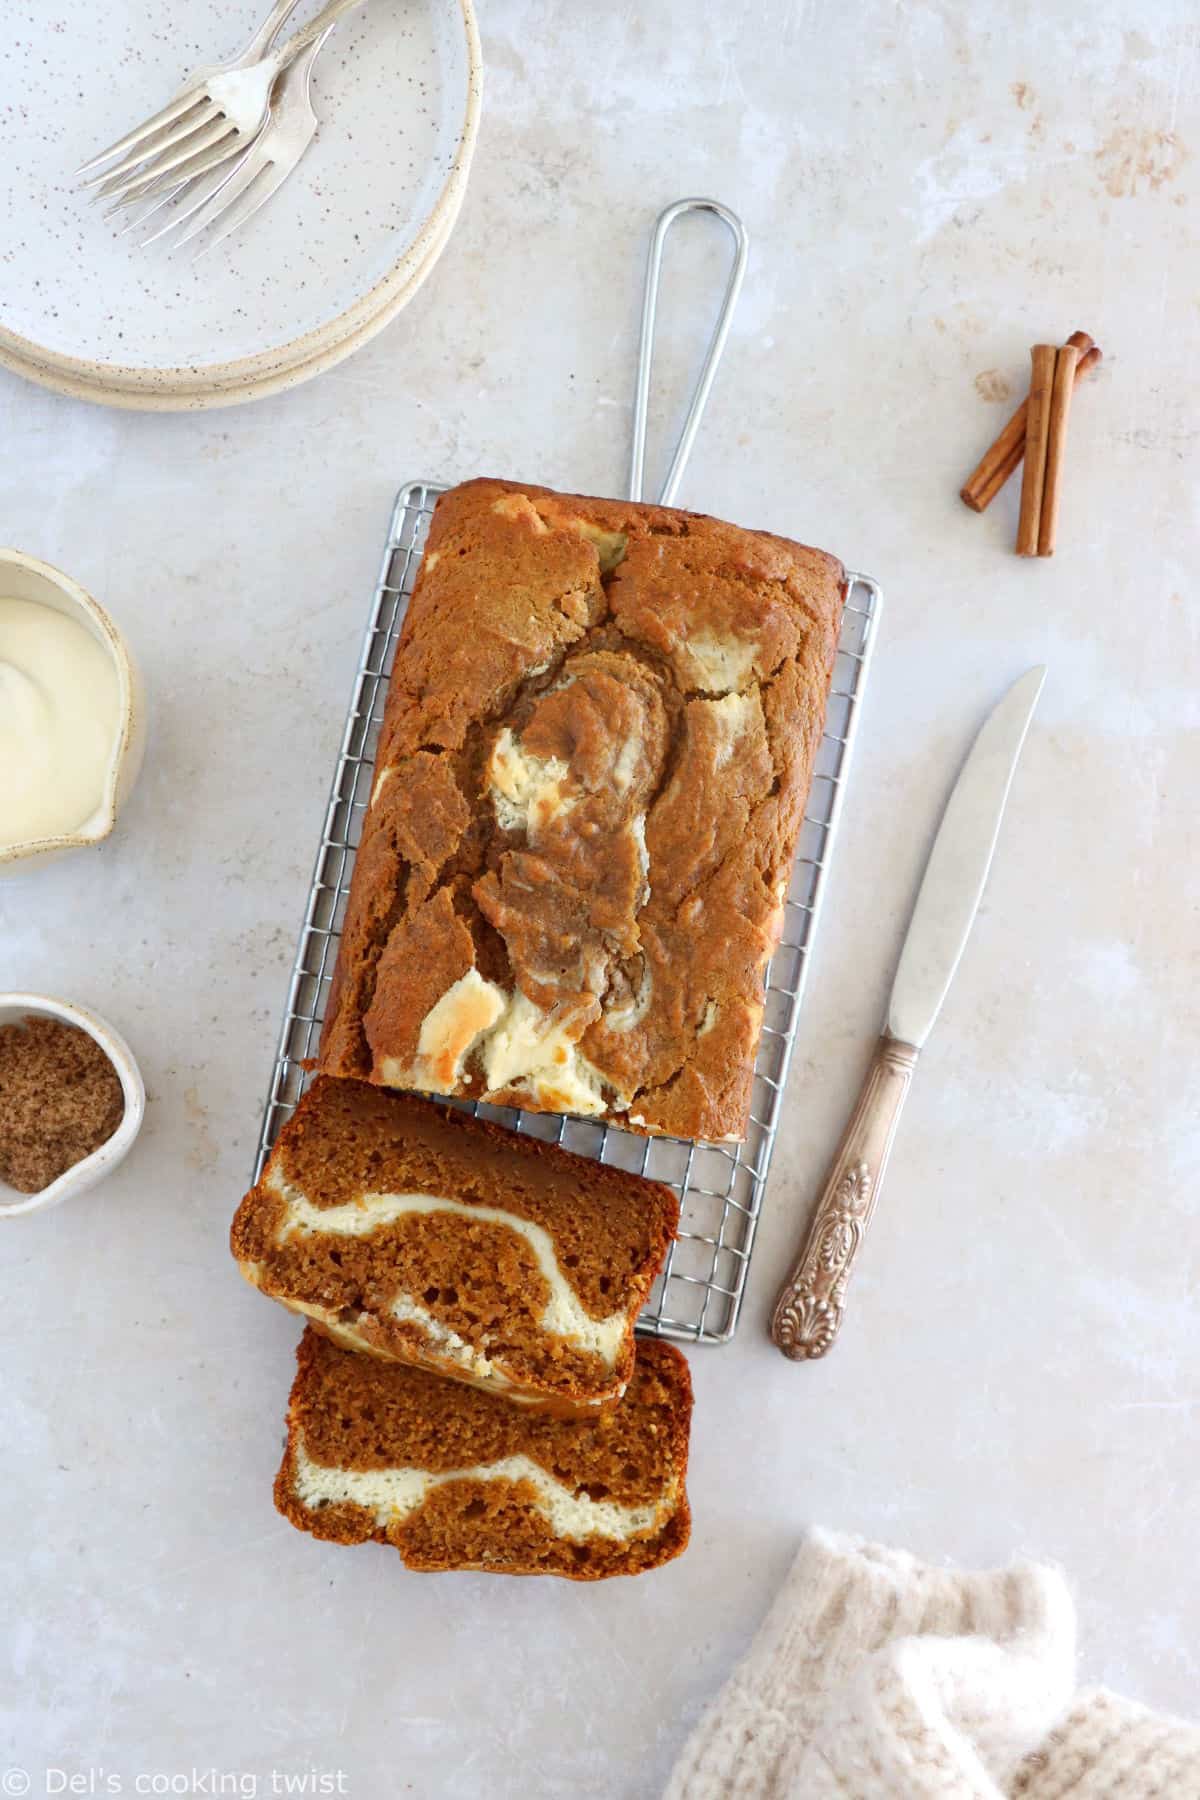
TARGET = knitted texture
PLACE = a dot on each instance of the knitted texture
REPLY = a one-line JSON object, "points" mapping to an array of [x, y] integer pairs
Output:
{"points": [[877, 1677]]}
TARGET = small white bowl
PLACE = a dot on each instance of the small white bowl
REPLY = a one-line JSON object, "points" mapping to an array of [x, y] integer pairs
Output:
{"points": [[85, 1174], [25, 578]]}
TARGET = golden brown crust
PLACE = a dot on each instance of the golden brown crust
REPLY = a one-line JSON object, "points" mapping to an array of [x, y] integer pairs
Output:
{"points": [[598, 744], [349, 1412], [477, 1278]]}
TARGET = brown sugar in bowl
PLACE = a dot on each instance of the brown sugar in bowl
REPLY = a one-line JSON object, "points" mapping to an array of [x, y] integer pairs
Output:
{"points": [[14, 1009]]}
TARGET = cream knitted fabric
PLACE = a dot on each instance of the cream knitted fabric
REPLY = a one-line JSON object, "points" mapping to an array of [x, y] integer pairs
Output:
{"points": [[876, 1677]]}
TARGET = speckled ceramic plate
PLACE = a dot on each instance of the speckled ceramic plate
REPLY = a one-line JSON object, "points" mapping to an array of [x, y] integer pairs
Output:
{"points": [[336, 253]]}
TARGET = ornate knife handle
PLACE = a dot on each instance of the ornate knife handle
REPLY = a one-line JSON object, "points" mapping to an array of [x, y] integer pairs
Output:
{"points": [[808, 1313]]}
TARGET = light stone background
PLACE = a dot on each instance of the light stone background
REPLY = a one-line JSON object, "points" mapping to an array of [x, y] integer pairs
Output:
{"points": [[930, 188]]}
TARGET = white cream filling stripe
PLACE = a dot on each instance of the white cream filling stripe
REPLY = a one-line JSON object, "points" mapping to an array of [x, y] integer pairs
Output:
{"points": [[631, 1012], [481, 1373], [527, 791], [447, 1342], [723, 662], [451, 1029], [449, 1345], [518, 1044], [527, 1045], [564, 1315], [393, 1495]]}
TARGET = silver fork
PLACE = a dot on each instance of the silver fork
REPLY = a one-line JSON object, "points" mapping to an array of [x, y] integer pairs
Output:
{"points": [[228, 198], [175, 180], [218, 115]]}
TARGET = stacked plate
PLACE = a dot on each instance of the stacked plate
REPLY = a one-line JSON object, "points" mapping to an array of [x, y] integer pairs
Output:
{"points": [[326, 264]]}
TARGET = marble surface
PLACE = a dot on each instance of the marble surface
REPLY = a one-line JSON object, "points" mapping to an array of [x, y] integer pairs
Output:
{"points": [[930, 189]]}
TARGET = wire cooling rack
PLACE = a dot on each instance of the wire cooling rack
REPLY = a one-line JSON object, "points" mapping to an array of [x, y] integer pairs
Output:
{"points": [[698, 1296]]}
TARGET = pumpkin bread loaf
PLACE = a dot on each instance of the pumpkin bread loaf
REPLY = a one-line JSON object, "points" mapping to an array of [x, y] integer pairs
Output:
{"points": [[596, 753]]}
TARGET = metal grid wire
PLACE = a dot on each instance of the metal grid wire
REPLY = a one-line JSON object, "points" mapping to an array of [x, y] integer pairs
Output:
{"points": [[698, 1296]]}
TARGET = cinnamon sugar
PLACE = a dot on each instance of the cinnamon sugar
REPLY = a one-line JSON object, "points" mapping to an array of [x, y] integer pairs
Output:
{"points": [[60, 1099]]}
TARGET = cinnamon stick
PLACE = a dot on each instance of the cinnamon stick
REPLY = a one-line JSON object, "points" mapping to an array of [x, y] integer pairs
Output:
{"points": [[1056, 443], [1004, 456], [1043, 358]]}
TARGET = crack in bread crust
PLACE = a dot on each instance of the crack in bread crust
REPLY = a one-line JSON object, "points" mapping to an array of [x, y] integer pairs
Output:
{"points": [[597, 749]]}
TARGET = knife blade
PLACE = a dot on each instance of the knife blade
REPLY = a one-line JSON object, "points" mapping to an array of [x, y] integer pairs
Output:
{"points": [[958, 865], [808, 1313]]}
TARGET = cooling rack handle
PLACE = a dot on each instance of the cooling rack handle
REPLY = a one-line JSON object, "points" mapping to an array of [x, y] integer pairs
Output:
{"points": [[641, 404]]}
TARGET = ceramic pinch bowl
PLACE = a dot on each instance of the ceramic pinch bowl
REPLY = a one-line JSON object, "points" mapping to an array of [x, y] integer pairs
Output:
{"points": [[14, 1009], [25, 578]]}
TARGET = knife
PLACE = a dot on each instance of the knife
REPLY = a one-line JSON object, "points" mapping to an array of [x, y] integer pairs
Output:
{"points": [[808, 1313]]}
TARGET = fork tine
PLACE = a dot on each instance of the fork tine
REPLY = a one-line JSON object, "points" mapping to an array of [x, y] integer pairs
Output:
{"points": [[199, 163], [220, 164], [242, 180], [181, 104], [139, 218], [154, 143], [200, 192], [149, 152], [194, 143], [235, 213], [197, 145], [120, 206], [155, 162]]}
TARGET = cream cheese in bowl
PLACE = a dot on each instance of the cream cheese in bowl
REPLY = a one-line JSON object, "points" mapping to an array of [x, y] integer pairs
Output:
{"points": [[60, 707], [72, 715]]}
